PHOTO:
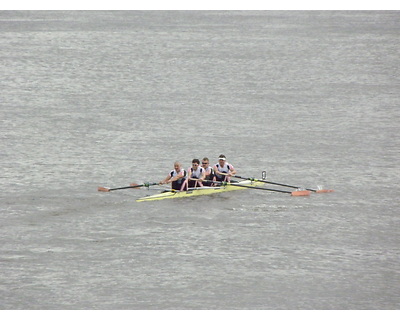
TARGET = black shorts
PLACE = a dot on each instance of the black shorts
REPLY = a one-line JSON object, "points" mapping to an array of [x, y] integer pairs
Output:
{"points": [[222, 178], [207, 183], [192, 184], [177, 185]]}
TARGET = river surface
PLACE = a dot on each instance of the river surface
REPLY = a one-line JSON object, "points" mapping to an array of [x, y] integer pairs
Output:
{"points": [[106, 98]]}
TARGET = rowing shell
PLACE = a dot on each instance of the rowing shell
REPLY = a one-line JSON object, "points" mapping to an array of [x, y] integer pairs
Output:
{"points": [[202, 191]]}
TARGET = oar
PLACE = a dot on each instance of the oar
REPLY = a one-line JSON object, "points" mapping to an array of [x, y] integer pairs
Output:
{"points": [[285, 185], [294, 193], [103, 189]]}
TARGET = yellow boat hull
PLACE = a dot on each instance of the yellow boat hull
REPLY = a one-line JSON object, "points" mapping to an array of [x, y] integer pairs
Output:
{"points": [[203, 191]]}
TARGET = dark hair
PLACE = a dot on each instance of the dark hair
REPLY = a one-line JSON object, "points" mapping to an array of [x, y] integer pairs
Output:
{"points": [[221, 156], [196, 161]]}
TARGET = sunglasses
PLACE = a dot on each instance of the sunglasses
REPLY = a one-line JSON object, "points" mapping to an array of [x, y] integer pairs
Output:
{"points": [[204, 163]]}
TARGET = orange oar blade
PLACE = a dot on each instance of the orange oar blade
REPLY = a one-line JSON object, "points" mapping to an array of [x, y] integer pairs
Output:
{"points": [[301, 193], [102, 189], [324, 191], [134, 185]]}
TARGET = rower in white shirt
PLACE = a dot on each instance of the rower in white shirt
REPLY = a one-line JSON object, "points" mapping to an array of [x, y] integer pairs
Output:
{"points": [[176, 177], [223, 170], [196, 174]]}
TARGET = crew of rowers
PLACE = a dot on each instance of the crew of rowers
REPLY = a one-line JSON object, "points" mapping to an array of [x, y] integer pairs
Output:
{"points": [[199, 176]]}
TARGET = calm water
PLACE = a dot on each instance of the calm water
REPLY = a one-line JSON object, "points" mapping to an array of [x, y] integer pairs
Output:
{"points": [[94, 99]]}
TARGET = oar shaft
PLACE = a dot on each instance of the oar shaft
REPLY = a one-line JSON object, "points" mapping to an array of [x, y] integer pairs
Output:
{"points": [[103, 189], [285, 185], [294, 193], [280, 184], [270, 182], [259, 188], [128, 187]]}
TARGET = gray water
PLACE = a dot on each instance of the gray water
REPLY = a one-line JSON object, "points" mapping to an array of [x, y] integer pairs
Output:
{"points": [[94, 99]]}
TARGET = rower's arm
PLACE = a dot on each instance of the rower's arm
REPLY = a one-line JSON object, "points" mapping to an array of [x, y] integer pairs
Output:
{"points": [[165, 180], [216, 171], [203, 175], [177, 177]]}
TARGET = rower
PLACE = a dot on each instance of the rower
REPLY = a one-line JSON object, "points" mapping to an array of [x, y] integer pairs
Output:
{"points": [[176, 177], [223, 170], [196, 174], [205, 163]]}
